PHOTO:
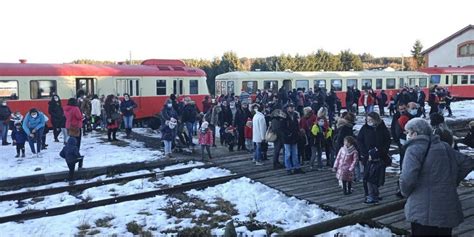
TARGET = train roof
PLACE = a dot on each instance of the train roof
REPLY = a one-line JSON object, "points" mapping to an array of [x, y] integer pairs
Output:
{"points": [[328, 74], [449, 70], [150, 67]]}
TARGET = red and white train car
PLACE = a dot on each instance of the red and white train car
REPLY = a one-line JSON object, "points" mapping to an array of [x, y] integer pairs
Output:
{"points": [[458, 80], [30, 85]]}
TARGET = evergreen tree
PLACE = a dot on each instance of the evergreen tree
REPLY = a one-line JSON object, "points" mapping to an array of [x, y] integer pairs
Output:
{"points": [[416, 53], [350, 61]]}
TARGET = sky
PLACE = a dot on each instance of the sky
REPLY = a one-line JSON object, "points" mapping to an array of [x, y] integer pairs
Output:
{"points": [[58, 31]]}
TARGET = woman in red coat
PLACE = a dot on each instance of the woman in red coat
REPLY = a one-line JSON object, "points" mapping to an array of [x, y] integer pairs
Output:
{"points": [[74, 122], [368, 101]]}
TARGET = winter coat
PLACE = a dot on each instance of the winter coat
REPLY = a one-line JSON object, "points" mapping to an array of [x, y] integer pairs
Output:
{"points": [[375, 173], [224, 116], [189, 113], [421, 97], [290, 128], [241, 117], [73, 116], [444, 135], [382, 99], [394, 127], [469, 139], [345, 163], [86, 107], [168, 113], [167, 133], [205, 137], [400, 125], [320, 135], [278, 118], [96, 107], [5, 113], [31, 123], [56, 112], [70, 152], [370, 137], [259, 127], [344, 129], [127, 106], [431, 186], [19, 136], [248, 132], [307, 122], [111, 109], [206, 106], [370, 100]]}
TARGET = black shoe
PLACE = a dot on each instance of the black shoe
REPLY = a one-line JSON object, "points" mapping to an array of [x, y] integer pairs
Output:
{"points": [[5, 143], [398, 194], [23, 155], [289, 172], [299, 171], [17, 155]]}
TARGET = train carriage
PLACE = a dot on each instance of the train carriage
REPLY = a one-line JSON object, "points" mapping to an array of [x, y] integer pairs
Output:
{"points": [[388, 80], [28, 85], [459, 80]]}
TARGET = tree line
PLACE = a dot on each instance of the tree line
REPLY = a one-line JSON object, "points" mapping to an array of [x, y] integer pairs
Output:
{"points": [[320, 60]]}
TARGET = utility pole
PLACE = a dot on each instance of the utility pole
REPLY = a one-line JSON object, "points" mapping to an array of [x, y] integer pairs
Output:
{"points": [[130, 55], [403, 63]]}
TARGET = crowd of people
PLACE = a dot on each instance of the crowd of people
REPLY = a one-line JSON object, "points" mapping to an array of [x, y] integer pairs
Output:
{"points": [[302, 126]]}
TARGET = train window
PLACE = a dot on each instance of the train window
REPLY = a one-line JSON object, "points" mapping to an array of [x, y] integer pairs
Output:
{"points": [[319, 84], [401, 82], [455, 79], [352, 83], [42, 89], [230, 87], [249, 86], [129, 86], [446, 80], [464, 79], [336, 84], [9, 90], [193, 87], [378, 83], [220, 87], [423, 82], [270, 86], [435, 79], [178, 87], [160, 87], [366, 84], [412, 81], [390, 83], [302, 84], [472, 79]]}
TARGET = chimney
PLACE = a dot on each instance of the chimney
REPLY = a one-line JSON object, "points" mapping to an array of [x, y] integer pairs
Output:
{"points": [[120, 63], [22, 61], [449, 66]]}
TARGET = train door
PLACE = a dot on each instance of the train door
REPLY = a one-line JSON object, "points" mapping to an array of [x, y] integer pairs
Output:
{"points": [[178, 87], [88, 85], [287, 84]]}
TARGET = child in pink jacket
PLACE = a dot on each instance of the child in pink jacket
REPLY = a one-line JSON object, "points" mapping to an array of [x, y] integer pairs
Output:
{"points": [[205, 139], [345, 163]]}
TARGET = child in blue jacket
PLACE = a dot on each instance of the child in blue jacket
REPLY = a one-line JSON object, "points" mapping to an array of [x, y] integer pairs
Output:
{"points": [[19, 138], [71, 154]]}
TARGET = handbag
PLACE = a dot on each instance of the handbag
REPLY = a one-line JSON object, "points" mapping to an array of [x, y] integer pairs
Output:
{"points": [[270, 135], [74, 132]]}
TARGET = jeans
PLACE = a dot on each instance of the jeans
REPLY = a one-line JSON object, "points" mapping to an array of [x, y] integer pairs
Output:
{"points": [[167, 146], [258, 152], [373, 192], [291, 157], [4, 132], [316, 153], [128, 121], [249, 145], [36, 138], [190, 128], [277, 146]]}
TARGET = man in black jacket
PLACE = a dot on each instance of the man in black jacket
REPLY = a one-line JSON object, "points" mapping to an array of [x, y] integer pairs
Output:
{"points": [[291, 129], [240, 120]]}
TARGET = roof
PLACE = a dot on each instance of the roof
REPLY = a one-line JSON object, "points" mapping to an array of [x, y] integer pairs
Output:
{"points": [[152, 67], [460, 32], [449, 70], [323, 75]]}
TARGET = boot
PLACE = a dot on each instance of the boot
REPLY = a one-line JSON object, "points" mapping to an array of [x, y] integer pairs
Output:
{"points": [[349, 187], [344, 187], [17, 155], [128, 131]]}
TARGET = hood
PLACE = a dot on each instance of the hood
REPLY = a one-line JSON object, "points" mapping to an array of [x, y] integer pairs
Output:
{"points": [[69, 108], [278, 113], [72, 141], [423, 140]]}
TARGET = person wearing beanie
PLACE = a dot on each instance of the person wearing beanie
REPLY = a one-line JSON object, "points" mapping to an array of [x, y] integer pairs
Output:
{"points": [[373, 176], [205, 139], [441, 129]]}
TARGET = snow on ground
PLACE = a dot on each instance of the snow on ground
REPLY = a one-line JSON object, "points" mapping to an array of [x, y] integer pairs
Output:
{"points": [[153, 214], [108, 191], [106, 177], [272, 206], [96, 153]]}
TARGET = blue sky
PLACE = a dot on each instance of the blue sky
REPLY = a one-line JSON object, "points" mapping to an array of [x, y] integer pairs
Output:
{"points": [[61, 31]]}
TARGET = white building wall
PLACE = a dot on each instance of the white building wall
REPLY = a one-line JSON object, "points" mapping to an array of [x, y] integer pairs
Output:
{"points": [[447, 54]]}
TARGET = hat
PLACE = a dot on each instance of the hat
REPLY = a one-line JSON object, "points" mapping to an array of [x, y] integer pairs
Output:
{"points": [[374, 153], [204, 125], [290, 105]]}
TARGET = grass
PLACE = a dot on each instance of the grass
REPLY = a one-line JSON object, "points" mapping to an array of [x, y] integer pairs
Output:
{"points": [[83, 228], [104, 222], [93, 232]]}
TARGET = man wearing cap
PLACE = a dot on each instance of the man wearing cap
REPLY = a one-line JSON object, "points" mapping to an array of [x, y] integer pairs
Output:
{"points": [[291, 129]]}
